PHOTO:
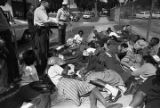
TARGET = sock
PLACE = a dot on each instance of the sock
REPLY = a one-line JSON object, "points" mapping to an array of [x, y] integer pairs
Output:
{"points": [[112, 89]]}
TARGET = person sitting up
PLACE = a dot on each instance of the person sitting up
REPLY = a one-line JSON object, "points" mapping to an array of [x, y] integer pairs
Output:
{"points": [[73, 89], [29, 75], [78, 38], [148, 93], [111, 33]]}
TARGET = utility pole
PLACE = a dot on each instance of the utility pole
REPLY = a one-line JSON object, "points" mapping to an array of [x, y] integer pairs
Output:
{"points": [[96, 11], [119, 15], [150, 19]]}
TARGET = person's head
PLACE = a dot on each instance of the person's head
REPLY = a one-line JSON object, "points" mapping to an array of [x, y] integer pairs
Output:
{"points": [[45, 3], [123, 47], [31, 8], [134, 38], [149, 59], [80, 32], [29, 57], [64, 4], [95, 32], [109, 30], [154, 41], [3, 2]]}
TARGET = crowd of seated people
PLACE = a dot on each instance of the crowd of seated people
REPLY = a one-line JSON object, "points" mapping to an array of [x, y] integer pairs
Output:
{"points": [[85, 69]]}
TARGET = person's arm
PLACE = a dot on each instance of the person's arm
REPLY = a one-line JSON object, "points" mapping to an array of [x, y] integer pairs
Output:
{"points": [[58, 15], [125, 62], [138, 99], [44, 17], [140, 71]]}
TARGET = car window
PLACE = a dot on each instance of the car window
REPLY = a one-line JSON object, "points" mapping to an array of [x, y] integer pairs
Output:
{"points": [[141, 12]]}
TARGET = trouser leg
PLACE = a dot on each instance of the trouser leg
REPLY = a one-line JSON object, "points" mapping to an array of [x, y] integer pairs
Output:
{"points": [[12, 62], [62, 34]]}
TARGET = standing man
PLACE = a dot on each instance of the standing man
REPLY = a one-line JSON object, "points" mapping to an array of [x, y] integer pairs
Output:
{"points": [[62, 18], [41, 39], [7, 36]]}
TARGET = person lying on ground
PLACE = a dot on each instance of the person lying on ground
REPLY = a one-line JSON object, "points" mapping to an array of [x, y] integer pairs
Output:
{"points": [[140, 44], [140, 75], [131, 59], [147, 69], [148, 93], [122, 51], [152, 48], [74, 89]]}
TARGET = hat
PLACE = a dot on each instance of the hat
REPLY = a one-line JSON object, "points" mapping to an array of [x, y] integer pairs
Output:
{"points": [[65, 2], [55, 60]]}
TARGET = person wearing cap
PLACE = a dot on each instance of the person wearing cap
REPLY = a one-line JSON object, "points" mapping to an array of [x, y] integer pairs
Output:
{"points": [[6, 35], [41, 38], [62, 18]]}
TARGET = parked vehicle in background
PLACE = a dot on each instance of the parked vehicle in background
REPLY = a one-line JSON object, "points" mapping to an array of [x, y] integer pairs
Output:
{"points": [[87, 15], [156, 15], [143, 14], [104, 11]]}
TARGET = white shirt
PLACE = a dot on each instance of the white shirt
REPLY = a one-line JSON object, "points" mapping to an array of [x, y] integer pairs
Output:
{"points": [[41, 17], [78, 38], [29, 75], [55, 73], [114, 34]]}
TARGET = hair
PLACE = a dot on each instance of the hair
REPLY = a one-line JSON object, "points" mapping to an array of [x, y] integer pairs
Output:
{"points": [[80, 31], [156, 40], [135, 38], [2, 2], [29, 57], [109, 29], [124, 45], [150, 59]]}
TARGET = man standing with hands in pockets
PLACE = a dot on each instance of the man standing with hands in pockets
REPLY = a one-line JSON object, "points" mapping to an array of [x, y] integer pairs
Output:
{"points": [[63, 16]]}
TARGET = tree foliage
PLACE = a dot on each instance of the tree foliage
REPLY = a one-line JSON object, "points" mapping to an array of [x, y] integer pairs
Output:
{"points": [[85, 4]]}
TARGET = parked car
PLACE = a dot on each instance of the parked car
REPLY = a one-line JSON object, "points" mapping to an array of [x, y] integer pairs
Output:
{"points": [[87, 15], [143, 14], [156, 15]]}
